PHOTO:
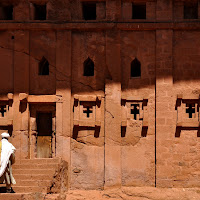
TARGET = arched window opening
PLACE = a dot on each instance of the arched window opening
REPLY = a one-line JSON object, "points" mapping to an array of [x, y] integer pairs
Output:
{"points": [[135, 68], [88, 67], [44, 67]]}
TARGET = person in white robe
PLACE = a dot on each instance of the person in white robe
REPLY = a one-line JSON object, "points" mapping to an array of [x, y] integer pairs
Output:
{"points": [[7, 159]]}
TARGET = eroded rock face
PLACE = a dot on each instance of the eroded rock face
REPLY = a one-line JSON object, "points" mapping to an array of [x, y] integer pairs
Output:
{"points": [[60, 180]]}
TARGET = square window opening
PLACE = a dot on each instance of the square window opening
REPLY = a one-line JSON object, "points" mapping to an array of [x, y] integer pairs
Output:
{"points": [[138, 11], [89, 10], [6, 13], [191, 11], [40, 12]]}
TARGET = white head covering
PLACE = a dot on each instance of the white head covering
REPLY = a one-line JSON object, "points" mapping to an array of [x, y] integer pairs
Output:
{"points": [[5, 135]]}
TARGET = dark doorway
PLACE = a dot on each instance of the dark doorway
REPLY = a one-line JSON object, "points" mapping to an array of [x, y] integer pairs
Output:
{"points": [[44, 136]]}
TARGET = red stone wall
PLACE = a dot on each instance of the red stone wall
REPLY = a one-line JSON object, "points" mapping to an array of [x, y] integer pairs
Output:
{"points": [[169, 53]]}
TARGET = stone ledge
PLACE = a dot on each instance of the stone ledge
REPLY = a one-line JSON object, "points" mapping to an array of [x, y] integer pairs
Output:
{"points": [[6, 97], [40, 98], [87, 97], [6, 122], [188, 124], [85, 123]]}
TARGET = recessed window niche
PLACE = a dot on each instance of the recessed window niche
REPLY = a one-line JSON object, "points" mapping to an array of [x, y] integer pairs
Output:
{"points": [[6, 12]]}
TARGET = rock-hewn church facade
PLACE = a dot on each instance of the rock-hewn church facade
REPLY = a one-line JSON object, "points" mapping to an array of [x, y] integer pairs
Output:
{"points": [[110, 86]]}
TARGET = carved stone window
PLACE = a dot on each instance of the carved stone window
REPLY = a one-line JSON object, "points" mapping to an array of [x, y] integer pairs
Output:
{"points": [[89, 10], [87, 111], [6, 110], [134, 111], [190, 10], [139, 11], [3, 110], [135, 68], [6, 12], [88, 66], [40, 12], [187, 107], [87, 114], [44, 67]]}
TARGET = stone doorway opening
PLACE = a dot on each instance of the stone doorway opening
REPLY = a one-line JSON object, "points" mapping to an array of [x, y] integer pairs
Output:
{"points": [[44, 135], [42, 131]]}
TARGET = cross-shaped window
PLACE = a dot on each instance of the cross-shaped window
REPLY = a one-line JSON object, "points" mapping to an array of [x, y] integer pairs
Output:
{"points": [[2, 110], [190, 110], [135, 110], [87, 111]]}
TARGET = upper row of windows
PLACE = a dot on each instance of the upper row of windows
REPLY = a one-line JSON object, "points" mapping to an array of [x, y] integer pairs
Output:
{"points": [[89, 11], [88, 68]]}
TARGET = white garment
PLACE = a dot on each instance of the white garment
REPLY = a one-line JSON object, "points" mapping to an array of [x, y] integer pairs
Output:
{"points": [[7, 150]]}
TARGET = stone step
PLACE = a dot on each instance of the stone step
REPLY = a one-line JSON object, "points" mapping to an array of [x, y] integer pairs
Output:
{"points": [[22, 196], [33, 171], [17, 196], [29, 189], [38, 161], [33, 177], [51, 196], [35, 166], [34, 183]]}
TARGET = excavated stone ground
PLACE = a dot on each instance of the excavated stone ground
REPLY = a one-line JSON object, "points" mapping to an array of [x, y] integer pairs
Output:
{"points": [[136, 193]]}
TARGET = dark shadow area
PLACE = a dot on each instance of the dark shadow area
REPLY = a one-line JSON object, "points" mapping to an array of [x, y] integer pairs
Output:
{"points": [[144, 131], [123, 131], [76, 129], [3, 190], [179, 129], [22, 106], [75, 132], [97, 131], [7, 128]]}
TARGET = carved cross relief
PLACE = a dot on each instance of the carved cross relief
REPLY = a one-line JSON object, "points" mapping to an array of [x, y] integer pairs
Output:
{"points": [[187, 107], [134, 109], [3, 110], [6, 109], [87, 110]]}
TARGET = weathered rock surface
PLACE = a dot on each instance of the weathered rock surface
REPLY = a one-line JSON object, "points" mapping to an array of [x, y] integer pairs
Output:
{"points": [[136, 193]]}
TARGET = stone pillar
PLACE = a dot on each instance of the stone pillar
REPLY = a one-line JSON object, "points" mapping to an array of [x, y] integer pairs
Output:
{"points": [[113, 10], [63, 89], [164, 108], [113, 111], [164, 10], [21, 85]]}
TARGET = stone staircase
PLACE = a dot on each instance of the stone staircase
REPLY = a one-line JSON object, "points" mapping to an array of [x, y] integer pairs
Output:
{"points": [[32, 176]]}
